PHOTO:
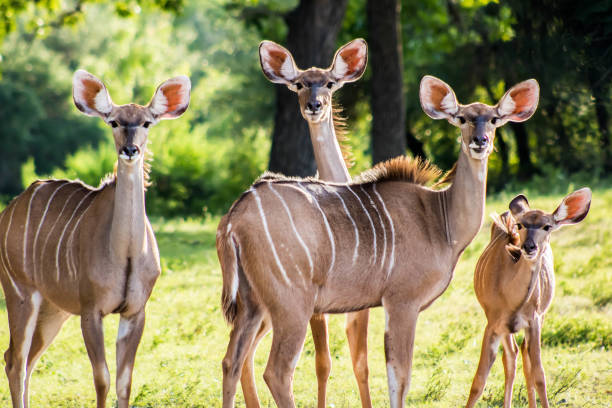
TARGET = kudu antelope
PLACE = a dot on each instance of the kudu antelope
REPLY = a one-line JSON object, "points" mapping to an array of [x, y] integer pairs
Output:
{"points": [[69, 249], [514, 282], [289, 248], [315, 88]]}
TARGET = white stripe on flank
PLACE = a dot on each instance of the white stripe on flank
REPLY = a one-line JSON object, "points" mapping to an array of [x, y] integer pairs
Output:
{"points": [[346, 210], [71, 262], [27, 225], [35, 300], [59, 242], [8, 227], [392, 260], [42, 221], [5, 265], [297, 234], [59, 216], [327, 227], [369, 219], [382, 224], [265, 225]]}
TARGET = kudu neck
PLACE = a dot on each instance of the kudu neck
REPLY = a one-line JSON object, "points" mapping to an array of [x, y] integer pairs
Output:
{"points": [[465, 200], [127, 233], [328, 155]]}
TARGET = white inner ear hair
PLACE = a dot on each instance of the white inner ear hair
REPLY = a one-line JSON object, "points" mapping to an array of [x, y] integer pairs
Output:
{"points": [[448, 104], [561, 212], [159, 105], [340, 67], [506, 107], [102, 102], [287, 70]]}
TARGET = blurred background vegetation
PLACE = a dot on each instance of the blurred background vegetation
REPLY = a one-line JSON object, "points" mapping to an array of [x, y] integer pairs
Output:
{"points": [[236, 126]]}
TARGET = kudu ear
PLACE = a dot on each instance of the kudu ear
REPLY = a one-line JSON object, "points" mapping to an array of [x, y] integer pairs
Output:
{"points": [[90, 95], [437, 98], [519, 205], [573, 208], [519, 102], [277, 63], [350, 61], [171, 98]]}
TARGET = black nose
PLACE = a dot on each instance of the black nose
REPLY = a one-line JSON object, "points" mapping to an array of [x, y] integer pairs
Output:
{"points": [[529, 246], [481, 140], [314, 106], [130, 150]]}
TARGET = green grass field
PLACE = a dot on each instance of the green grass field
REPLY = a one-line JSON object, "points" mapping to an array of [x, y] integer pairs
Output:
{"points": [[179, 359]]}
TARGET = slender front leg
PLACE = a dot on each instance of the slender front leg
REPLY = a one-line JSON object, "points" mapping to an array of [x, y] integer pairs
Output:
{"points": [[490, 344], [527, 371], [320, 337], [357, 335], [537, 369], [128, 338], [91, 327], [399, 343], [510, 353]]}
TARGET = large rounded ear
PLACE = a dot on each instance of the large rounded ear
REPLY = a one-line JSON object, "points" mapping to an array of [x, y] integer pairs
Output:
{"points": [[90, 95], [171, 98], [437, 98], [574, 207], [519, 205], [350, 61], [519, 103], [277, 63]]}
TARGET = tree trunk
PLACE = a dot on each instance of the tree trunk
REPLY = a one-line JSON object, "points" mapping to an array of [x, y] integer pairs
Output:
{"points": [[313, 27], [600, 92], [387, 103], [414, 144], [526, 167]]}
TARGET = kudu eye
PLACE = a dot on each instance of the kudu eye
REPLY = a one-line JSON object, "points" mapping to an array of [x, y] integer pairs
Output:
{"points": [[546, 228], [494, 120], [298, 86], [461, 120], [146, 125], [519, 225], [330, 85], [113, 123]]}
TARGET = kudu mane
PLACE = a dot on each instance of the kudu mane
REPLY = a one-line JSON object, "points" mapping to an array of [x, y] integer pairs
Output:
{"points": [[504, 227], [341, 134]]}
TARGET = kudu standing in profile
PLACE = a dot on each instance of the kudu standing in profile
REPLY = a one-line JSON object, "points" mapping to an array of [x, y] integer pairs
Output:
{"points": [[514, 282], [315, 88], [289, 248], [69, 249]]}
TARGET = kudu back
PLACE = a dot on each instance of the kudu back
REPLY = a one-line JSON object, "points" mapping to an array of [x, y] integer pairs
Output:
{"points": [[514, 282]]}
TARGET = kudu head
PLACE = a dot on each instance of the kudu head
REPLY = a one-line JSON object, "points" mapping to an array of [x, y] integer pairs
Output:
{"points": [[478, 121], [130, 122], [314, 86], [533, 227]]}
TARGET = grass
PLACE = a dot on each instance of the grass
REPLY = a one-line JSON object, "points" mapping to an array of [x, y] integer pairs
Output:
{"points": [[179, 359]]}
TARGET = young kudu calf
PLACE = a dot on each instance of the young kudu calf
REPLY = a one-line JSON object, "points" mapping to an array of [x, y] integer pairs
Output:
{"points": [[315, 88], [514, 282], [69, 249], [289, 248]]}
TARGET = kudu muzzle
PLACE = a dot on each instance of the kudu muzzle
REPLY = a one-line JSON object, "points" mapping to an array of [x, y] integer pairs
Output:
{"points": [[129, 150]]}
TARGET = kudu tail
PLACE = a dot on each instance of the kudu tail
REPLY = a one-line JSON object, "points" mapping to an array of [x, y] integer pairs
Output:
{"points": [[227, 252]]}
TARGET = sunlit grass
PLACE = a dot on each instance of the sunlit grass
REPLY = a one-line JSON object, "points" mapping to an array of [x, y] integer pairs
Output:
{"points": [[179, 359]]}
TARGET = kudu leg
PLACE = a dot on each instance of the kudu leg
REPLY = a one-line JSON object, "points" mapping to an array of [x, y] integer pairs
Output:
{"points": [[357, 335], [128, 339], [510, 354], [247, 378], [50, 321], [288, 336], [399, 344], [490, 344], [246, 326], [23, 316], [91, 327], [527, 369], [537, 369], [320, 337]]}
